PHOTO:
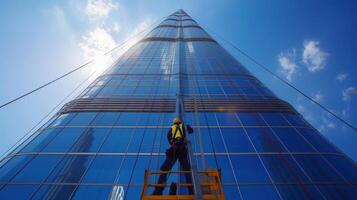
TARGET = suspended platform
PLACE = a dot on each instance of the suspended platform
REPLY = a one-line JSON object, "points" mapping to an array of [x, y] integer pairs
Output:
{"points": [[209, 180]]}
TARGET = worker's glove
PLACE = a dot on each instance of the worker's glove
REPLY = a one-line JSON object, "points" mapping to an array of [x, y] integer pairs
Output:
{"points": [[189, 129]]}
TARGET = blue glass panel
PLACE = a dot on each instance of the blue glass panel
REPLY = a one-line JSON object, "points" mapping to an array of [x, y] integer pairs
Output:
{"points": [[105, 119], [293, 140], [227, 119], [91, 140], [251, 119], [85, 192], [126, 170], [17, 192], [118, 140], [299, 191], [226, 169], [70, 169], [316, 140], [136, 140], [150, 136], [274, 119], [259, 192], [140, 166], [317, 168], [11, 167], [248, 168], [103, 169], [54, 192], [64, 140], [295, 120], [332, 192], [132, 119], [82, 119], [282, 168], [264, 140], [217, 140], [38, 169], [133, 192], [63, 119], [346, 167], [236, 140], [231, 192], [41, 140]]}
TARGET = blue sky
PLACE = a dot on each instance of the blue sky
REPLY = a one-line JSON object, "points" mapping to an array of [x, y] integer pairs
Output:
{"points": [[310, 43]]}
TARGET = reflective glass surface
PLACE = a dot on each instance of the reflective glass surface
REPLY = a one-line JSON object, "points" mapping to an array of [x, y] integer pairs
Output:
{"points": [[101, 150]]}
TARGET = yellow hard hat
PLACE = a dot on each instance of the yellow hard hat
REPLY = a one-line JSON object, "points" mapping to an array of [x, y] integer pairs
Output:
{"points": [[177, 120]]}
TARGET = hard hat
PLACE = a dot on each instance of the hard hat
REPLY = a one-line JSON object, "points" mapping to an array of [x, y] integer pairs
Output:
{"points": [[177, 120]]}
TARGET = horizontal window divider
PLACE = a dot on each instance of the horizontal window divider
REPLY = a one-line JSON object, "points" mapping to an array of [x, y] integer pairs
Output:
{"points": [[176, 26], [140, 185], [167, 39], [163, 154], [178, 20]]}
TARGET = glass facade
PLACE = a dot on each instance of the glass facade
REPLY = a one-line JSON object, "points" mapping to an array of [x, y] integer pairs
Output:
{"points": [[99, 145]]}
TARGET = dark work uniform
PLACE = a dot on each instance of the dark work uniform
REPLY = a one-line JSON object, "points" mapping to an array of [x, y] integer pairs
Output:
{"points": [[176, 151]]}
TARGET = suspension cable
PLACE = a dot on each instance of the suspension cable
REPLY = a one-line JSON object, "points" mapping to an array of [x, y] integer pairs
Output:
{"points": [[283, 80], [48, 114], [78, 68]]}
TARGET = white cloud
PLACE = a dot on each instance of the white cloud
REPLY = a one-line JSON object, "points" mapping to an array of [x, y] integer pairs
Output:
{"points": [[100, 8], [94, 45], [346, 93], [287, 64], [115, 28], [318, 97], [313, 57], [341, 77]]}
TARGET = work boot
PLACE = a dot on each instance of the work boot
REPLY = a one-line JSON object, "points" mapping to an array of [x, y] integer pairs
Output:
{"points": [[157, 191], [173, 189]]}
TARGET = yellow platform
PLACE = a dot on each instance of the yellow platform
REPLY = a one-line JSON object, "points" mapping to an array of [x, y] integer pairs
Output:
{"points": [[210, 182]]}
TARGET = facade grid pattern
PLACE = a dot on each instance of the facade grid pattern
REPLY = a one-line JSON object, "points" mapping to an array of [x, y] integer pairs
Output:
{"points": [[262, 154]]}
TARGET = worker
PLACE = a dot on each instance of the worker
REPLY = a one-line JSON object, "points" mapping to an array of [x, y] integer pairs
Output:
{"points": [[177, 139]]}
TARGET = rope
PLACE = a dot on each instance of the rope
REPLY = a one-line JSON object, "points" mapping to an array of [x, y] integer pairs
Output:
{"points": [[76, 69], [48, 114], [285, 82]]}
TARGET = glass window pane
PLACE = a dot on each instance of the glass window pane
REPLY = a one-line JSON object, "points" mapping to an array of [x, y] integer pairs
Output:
{"points": [[299, 191], [54, 192], [10, 168], [118, 140], [248, 168], [274, 119], [317, 140], [17, 192], [91, 140], [70, 169], [282, 168], [251, 119], [332, 192], [38, 169], [317, 168], [41, 140], [231, 192], [346, 167], [293, 140], [236, 140], [82, 119], [85, 192], [227, 119], [63, 119], [64, 140], [264, 140], [103, 169], [105, 119], [259, 192]]}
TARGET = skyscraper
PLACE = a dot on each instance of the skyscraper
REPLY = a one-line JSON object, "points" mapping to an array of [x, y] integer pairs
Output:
{"points": [[99, 145]]}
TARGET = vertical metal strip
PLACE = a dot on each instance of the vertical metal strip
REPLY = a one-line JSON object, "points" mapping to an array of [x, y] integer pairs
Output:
{"points": [[180, 114]]}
